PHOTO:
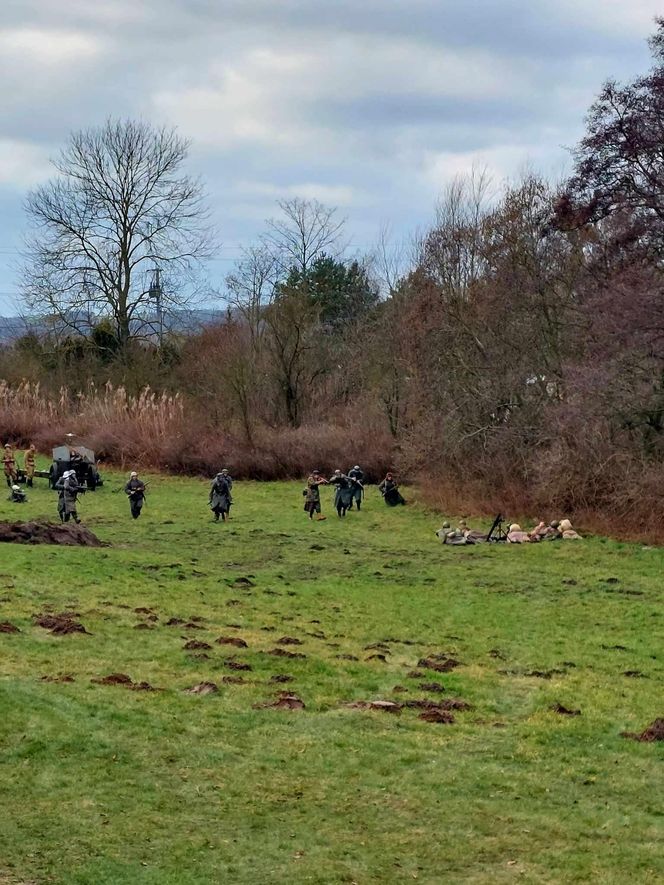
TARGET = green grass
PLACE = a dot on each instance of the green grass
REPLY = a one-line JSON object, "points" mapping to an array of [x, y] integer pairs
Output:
{"points": [[104, 785]]}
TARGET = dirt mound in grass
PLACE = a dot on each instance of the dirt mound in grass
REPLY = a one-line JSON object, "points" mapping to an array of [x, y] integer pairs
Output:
{"points": [[654, 732], [61, 624], [69, 535], [285, 701], [7, 627], [202, 688], [113, 679], [440, 716]]}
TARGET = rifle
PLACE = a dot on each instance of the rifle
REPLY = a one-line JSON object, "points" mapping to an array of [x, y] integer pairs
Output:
{"points": [[497, 532]]}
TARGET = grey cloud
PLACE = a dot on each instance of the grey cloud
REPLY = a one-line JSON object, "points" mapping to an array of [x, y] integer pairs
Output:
{"points": [[364, 128]]}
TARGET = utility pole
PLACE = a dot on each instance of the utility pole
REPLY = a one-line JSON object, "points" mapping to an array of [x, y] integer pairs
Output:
{"points": [[156, 293]]}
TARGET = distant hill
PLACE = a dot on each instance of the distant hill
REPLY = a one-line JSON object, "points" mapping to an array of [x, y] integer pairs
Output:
{"points": [[191, 321]]}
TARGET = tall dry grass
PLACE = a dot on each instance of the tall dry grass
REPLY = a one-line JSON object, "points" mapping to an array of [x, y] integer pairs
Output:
{"points": [[163, 431]]}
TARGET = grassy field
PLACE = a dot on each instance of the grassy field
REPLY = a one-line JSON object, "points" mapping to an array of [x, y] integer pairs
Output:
{"points": [[104, 784]]}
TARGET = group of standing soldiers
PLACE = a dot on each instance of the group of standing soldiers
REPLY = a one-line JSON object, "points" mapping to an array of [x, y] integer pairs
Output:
{"points": [[349, 491], [10, 468]]}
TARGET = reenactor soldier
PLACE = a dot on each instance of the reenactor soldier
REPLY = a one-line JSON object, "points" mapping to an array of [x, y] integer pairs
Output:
{"points": [[312, 495], [68, 489], [17, 495], [135, 491], [29, 465], [9, 465], [389, 489], [356, 475], [220, 498], [343, 494]]}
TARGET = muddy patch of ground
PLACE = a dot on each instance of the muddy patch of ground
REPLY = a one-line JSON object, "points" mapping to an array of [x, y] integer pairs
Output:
{"points": [[439, 663], [284, 701], [231, 640], [230, 664], [69, 535], [196, 645], [61, 624], [282, 677], [381, 706], [442, 717], [61, 677], [114, 679], [289, 640], [654, 732], [202, 688], [282, 653], [7, 627], [446, 705], [435, 687]]}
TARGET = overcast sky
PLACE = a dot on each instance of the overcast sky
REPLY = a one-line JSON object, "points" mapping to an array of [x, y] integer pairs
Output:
{"points": [[368, 105]]}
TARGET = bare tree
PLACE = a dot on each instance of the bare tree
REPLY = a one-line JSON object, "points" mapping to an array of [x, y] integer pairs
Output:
{"points": [[119, 206], [305, 231]]}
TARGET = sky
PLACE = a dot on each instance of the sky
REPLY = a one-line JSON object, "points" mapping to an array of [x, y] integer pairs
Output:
{"points": [[371, 106]]}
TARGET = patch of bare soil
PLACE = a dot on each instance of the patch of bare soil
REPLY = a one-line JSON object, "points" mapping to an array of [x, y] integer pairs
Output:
{"points": [[447, 704], [654, 732], [281, 677], [236, 665], [564, 711], [380, 658], [195, 645], [536, 674], [378, 646], [200, 657], [174, 622], [399, 689], [7, 627], [346, 657], [243, 582], [382, 706], [440, 664], [143, 626], [202, 688], [61, 624], [289, 640], [114, 679], [415, 674], [442, 717], [282, 653], [62, 677], [284, 701], [231, 640], [432, 686], [141, 610], [69, 535], [234, 680]]}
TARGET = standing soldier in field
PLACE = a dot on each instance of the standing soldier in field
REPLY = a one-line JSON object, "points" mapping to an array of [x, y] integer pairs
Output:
{"points": [[9, 465], [135, 491], [312, 495], [343, 495], [220, 496], [68, 487], [29, 464], [356, 475]]}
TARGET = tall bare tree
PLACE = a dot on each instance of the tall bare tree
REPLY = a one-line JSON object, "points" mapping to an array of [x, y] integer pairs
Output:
{"points": [[119, 206]]}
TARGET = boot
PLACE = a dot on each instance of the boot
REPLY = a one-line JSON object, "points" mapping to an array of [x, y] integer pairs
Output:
{"points": [[29, 483]]}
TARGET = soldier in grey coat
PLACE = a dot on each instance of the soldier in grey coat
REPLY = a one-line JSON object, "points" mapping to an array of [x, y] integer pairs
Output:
{"points": [[220, 496]]}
